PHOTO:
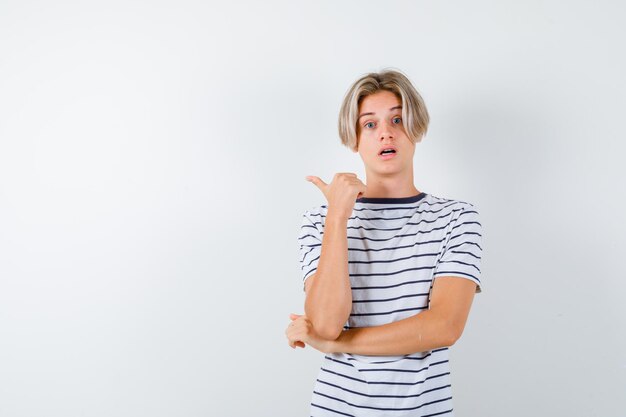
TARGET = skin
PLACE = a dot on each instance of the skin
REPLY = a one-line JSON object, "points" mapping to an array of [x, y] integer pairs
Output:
{"points": [[451, 299]]}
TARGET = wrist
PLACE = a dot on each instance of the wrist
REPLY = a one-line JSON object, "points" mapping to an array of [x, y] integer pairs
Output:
{"points": [[333, 216]]}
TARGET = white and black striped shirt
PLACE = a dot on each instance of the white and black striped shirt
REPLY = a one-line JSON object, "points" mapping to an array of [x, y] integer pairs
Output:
{"points": [[396, 248]]}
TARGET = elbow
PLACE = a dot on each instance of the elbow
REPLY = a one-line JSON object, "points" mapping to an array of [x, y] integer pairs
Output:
{"points": [[325, 328], [454, 334], [329, 327], [329, 332], [334, 330]]}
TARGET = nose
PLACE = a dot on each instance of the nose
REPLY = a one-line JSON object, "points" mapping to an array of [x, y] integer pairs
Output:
{"points": [[386, 130]]}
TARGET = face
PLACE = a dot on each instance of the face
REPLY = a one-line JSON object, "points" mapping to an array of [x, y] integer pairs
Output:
{"points": [[380, 125]]}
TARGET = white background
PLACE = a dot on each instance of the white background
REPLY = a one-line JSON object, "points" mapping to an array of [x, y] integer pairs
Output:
{"points": [[152, 164]]}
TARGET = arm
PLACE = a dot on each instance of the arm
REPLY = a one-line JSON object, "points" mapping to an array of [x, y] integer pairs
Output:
{"points": [[441, 325], [328, 301]]}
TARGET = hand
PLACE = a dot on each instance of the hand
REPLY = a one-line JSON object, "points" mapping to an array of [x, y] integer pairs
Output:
{"points": [[341, 193], [301, 331]]}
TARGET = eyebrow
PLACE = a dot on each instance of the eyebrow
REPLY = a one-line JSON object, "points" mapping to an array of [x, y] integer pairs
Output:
{"points": [[370, 113]]}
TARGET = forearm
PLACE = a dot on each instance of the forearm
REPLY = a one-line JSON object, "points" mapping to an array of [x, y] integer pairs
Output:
{"points": [[328, 302], [424, 331]]}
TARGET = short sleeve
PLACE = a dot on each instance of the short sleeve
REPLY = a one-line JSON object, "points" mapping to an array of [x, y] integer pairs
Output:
{"points": [[462, 254], [310, 241]]}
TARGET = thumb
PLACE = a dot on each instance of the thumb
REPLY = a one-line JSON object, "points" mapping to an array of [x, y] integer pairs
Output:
{"points": [[317, 181]]}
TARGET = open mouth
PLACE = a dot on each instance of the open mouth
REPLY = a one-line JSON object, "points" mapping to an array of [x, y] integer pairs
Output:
{"points": [[387, 153]]}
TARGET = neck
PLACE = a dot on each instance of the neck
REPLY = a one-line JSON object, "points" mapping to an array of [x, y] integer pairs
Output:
{"points": [[389, 187]]}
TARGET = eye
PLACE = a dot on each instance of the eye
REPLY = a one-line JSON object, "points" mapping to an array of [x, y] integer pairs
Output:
{"points": [[368, 123], [398, 118]]}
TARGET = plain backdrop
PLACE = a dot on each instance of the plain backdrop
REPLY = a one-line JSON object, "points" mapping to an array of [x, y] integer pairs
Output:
{"points": [[152, 164]]}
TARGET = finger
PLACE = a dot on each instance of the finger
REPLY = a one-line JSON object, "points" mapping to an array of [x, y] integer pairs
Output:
{"points": [[362, 189], [293, 342]]}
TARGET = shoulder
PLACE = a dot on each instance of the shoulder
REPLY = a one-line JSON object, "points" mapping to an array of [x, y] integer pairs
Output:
{"points": [[314, 216], [315, 211], [457, 204], [454, 210]]}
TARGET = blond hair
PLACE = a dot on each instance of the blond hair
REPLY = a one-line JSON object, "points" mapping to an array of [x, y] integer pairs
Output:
{"points": [[414, 114]]}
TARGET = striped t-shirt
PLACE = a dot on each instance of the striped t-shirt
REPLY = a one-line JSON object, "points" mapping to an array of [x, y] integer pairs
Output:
{"points": [[396, 248]]}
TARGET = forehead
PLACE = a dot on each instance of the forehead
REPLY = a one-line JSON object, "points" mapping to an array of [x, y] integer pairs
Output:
{"points": [[382, 101]]}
